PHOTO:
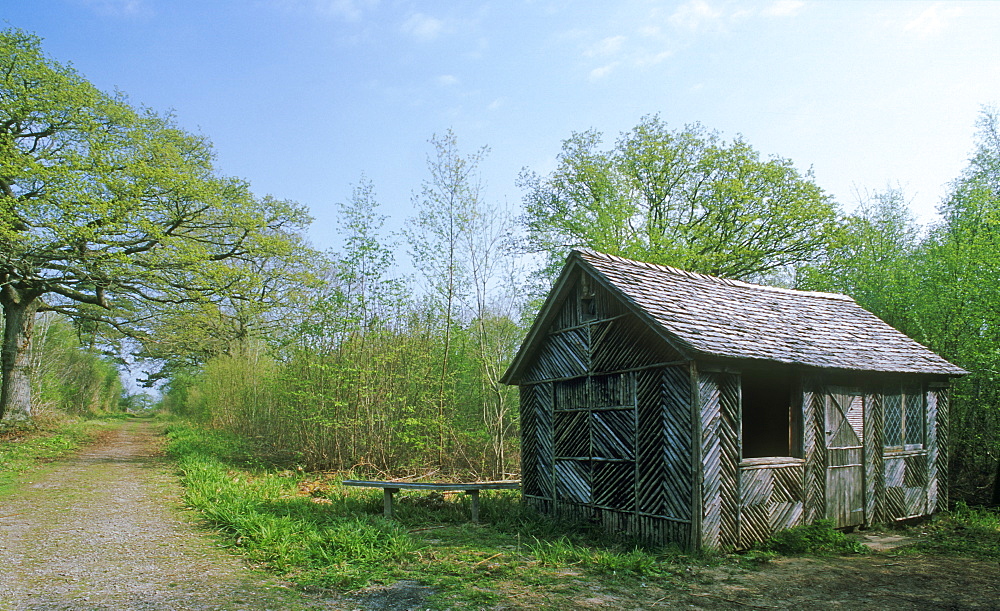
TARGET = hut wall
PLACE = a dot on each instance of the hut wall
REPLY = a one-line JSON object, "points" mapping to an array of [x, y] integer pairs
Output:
{"points": [[719, 405], [814, 451], [606, 422], [771, 499], [874, 472], [937, 449], [913, 470], [904, 469]]}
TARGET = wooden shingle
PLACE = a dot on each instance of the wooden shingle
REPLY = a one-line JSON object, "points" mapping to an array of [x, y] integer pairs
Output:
{"points": [[732, 319]]}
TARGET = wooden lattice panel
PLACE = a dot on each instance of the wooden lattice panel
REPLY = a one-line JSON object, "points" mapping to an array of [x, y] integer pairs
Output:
{"points": [[941, 447], [932, 452], [573, 481], [678, 482], [814, 447], [614, 485], [874, 470], [770, 500], [719, 400], [537, 448], [613, 434], [626, 342]]}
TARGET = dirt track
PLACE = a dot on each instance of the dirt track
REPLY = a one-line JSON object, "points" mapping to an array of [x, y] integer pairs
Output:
{"points": [[102, 530]]}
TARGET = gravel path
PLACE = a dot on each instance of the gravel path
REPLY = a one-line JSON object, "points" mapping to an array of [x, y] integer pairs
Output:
{"points": [[105, 530]]}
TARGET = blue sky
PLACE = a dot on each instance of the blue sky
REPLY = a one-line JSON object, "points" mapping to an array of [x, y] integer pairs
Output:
{"points": [[302, 97]]}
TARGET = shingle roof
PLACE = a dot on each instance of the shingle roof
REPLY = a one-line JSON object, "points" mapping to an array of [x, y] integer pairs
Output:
{"points": [[715, 317]]}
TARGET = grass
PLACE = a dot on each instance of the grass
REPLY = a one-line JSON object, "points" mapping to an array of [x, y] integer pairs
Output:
{"points": [[965, 531], [25, 445], [316, 532], [817, 539], [313, 531]]}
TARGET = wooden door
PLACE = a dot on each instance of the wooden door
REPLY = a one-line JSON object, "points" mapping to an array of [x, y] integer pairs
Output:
{"points": [[845, 476]]}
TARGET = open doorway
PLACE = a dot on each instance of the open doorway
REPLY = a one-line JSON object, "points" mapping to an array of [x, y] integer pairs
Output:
{"points": [[771, 415]]}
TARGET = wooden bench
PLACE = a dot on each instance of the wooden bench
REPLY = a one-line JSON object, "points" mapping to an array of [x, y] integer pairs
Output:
{"points": [[472, 489]]}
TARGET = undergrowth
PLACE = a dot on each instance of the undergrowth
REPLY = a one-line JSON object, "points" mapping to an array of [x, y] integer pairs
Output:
{"points": [[311, 529], [26, 444], [314, 531], [963, 531], [819, 538]]}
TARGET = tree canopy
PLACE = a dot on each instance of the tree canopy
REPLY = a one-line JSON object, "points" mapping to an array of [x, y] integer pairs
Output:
{"points": [[108, 210], [684, 198]]}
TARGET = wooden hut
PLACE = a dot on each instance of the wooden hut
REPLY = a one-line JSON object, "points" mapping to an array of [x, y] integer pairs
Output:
{"points": [[679, 407]]}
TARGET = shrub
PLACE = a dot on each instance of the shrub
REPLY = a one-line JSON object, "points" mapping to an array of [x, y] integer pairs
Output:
{"points": [[817, 538]]}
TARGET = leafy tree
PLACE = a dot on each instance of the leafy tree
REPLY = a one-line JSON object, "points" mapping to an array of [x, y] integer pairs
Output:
{"points": [[684, 198], [446, 207], [109, 213], [939, 287], [959, 308], [873, 256]]}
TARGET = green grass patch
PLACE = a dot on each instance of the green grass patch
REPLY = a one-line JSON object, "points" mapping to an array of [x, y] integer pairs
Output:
{"points": [[964, 531], [314, 531], [819, 538], [25, 445]]}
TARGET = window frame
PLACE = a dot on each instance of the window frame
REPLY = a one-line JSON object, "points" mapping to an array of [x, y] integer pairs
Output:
{"points": [[908, 395]]}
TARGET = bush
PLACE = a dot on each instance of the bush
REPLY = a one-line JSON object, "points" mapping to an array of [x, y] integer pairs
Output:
{"points": [[964, 531], [817, 538]]}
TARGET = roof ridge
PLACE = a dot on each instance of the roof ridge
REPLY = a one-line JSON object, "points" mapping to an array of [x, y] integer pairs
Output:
{"points": [[708, 278]]}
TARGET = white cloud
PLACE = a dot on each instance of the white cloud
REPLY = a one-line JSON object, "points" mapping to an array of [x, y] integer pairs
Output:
{"points": [[607, 46], [348, 10], [351, 10], [447, 80], [119, 8], [599, 73], [784, 8], [694, 15], [651, 59], [496, 104], [933, 20], [423, 27]]}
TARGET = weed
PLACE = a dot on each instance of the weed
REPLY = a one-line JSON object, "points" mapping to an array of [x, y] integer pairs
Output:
{"points": [[964, 531], [819, 538], [25, 445]]}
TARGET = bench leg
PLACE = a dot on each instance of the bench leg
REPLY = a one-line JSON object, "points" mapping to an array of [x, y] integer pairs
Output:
{"points": [[387, 502], [474, 495]]}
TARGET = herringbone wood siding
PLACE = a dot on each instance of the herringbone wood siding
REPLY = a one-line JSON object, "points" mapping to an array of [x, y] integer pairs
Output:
{"points": [[770, 500], [609, 430], [814, 403], [874, 467], [719, 395], [941, 448]]}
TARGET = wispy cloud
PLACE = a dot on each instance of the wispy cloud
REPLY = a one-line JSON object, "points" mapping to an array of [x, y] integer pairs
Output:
{"points": [[423, 27], [605, 47], [783, 8], [601, 72], [933, 20], [447, 80], [119, 8], [695, 15], [348, 10]]}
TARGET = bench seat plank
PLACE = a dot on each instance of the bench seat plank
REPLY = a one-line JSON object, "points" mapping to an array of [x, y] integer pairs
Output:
{"points": [[471, 488]]}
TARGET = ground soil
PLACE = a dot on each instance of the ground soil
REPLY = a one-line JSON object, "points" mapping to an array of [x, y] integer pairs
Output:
{"points": [[106, 529]]}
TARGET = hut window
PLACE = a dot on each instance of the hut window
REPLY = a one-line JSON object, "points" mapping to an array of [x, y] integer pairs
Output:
{"points": [[904, 419], [771, 424]]}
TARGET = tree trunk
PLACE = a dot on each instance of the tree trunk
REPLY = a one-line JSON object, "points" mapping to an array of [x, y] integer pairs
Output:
{"points": [[15, 388], [995, 501]]}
